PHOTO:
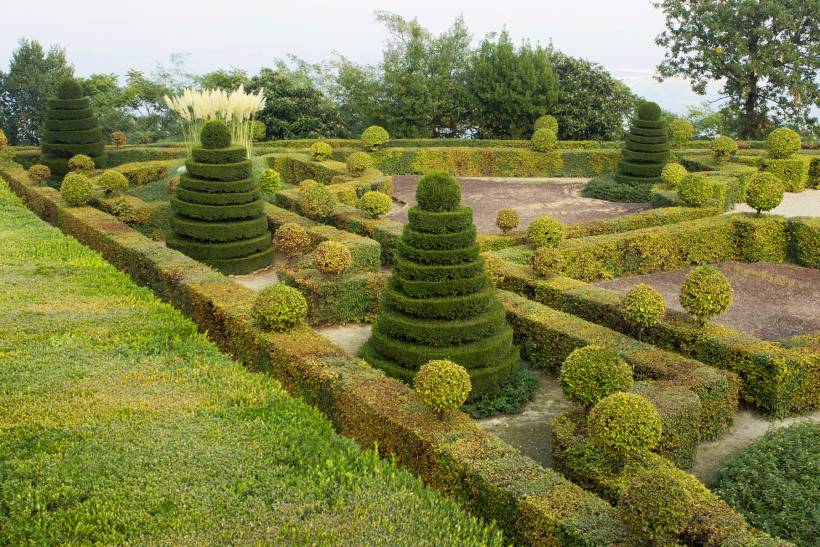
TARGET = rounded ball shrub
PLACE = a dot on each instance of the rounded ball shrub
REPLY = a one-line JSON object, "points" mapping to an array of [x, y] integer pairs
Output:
{"points": [[626, 424], [442, 385], [215, 134], [543, 140], [591, 373], [318, 202], [320, 150], [291, 240], [270, 181], [359, 162], [118, 138], [723, 148], [545, 232], [374, 137], [38, 172], [332, 258], [649, 111], [680, 131], [547, 261], [659, 503], [258, 130], [76, 189], [782, 143], [673, 173], [694, 190], [764, 192], [706, 293], [69, 88], [279, 308], [507, 219], [112, 182], [374, 204], [438, 191], [547, 122], [307, 184], [81, 163], [643, 306]]}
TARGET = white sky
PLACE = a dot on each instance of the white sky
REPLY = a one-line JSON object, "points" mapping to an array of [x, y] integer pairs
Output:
{"points": [[115, 35]]}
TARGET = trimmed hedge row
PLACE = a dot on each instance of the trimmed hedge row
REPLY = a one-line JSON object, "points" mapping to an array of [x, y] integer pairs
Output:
{"points": [[141, 173], [296, 167]]}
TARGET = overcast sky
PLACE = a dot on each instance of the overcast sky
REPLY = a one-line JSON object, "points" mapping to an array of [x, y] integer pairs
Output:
{"points": [[116, 35]]}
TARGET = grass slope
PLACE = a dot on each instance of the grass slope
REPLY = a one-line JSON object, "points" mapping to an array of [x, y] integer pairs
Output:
{"points": [[119, 423]]}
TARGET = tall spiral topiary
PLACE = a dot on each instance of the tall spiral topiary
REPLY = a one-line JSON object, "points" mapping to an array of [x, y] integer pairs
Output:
{"points": [[218, 214], [71, 128], [440, 303], [646, 149]]}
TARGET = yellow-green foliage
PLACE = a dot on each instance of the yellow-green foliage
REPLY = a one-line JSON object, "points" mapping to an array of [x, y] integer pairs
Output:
{"points": [[643, 306], [764, 192], [543, 140], [359, 162], [374, 137], [38, 172], [81, 163], [805, 240], [547, 122], [270, 181], [659, 503], [723, 148], [76, 189], [442, 385], [626, 424], [291, 240], [547, 260], [507, 219], [438, 191], [793, 172], [374, 204], [680, 131], [307, 184], [332, 258], [706, 293], [4, 141], [673, 173], [694, 190], [279, 308], [782, 143], [317, 201], [320, 150], [468, 161], [112, 182], [545, 231], [591, 373]]}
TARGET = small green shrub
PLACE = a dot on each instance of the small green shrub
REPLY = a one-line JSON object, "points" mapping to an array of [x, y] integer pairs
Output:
{"points": [[659, 503], [112, 182], [332, 258], [76, 189], [591, 373], [291, 240], [81, 163], [507, 219], [649, 111], [547, 122], [764, 192], [38, 173], [318, 202], [543, 140], [545, 232], [359, 162], [258, 131], [374, 204], [694, 190], [374, 137], [118, 138], [680, 131], [547, 260], [320, 150], [706, 293], [643, 307], [307, 184], [69, 88], [215, 134], [442, 385], [625, 424], [673, 174], [279, 308], [438, 191], [270, 181], [782, 143], [723, 148]]}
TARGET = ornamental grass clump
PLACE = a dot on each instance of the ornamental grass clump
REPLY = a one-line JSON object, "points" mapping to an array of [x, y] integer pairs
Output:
{"points": [[359, 162], [270, 181], [442, 385], [764, 192], [547, 261], [646, 149], [591, 373], [659, 503], [375, 204], [374, 137], [332, 258], [76, 189], [507, 220], [643, 307], [112, 182], [694, 190], [706, 293], [279, 308], [38, 173], [545, 232], [291, 240], [320, 151], [723, 148], [673, 173], [625, 424]]}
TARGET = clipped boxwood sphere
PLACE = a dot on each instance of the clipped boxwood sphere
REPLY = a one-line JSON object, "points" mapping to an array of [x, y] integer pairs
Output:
{"points": [[374, 204], [81, 163], [76, 189], [359, 162], [673, 173], [547, 122], [625, 424], [112, 182], [591, 373], [694, 190], [438, 191], [318, 202], [649, 111], [69, 89], [547, 260], [680, 131], [543, 140], [764, 192], [332, 258], [38, 173], [706, 293], [279, 308], [659, 503], [320, 150], [374, 137], [723, 147], [442, 385], [270, 181], [782, 143], [307, 184], [507, 219], [643, 306], [545, 232], [291, 240], [215, 134]]}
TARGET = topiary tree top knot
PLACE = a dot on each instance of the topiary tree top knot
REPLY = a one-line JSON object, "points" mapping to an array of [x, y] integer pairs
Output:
{"points": [[649, 111], [438, 191], [215, 134], [69, 89]]}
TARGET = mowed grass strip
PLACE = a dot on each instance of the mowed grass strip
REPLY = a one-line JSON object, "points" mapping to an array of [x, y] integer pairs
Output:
{"points": [[119, 423]]}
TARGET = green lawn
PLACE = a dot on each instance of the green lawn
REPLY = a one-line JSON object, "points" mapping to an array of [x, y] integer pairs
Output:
{"points": [[120, 423]]}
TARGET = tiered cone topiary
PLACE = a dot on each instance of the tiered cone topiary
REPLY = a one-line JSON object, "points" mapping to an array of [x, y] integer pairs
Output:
{"points": [[218, 214], [440, 302], [646, 150], [71, 128]]}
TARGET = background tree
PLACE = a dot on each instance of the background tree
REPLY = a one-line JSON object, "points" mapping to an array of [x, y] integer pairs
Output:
{"points": [[765, 52]]}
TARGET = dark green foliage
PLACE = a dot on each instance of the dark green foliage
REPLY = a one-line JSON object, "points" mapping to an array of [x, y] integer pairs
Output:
{"points": [[217, 212], [517, 390], [439, 302], [216, 198], [69, 104], [80, 136], [69, 89], [649, 111], [205, 250], [231, 154], [222, 172], [215, 134], [200, 185]]}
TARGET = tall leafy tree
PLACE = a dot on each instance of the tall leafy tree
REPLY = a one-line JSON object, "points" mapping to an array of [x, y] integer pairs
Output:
{"points": [[766, 53], [33, 77]]}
